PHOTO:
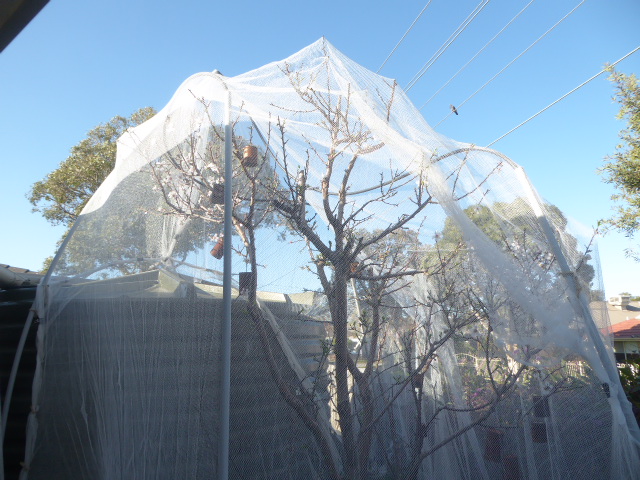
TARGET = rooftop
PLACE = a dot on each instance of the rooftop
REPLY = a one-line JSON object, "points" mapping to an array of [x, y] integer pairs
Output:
{"points": [[15, 277], [626, 329], [618, 314]]}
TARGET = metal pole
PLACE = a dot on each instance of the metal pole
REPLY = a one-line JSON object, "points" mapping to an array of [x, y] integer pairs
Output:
{"points": [[225, 373]]}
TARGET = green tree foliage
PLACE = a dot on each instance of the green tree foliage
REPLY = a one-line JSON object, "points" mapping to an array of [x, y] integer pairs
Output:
{"points": [[630, 379], [63, 193], [511, 229], [622, 169]]}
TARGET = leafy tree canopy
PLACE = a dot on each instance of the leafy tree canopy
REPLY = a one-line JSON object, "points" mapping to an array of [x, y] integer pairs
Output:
{"points": [[622, 169], [63, 193], [514, 233]]}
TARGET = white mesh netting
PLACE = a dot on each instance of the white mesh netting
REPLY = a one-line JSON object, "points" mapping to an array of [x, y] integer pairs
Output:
{"points": [[406, 306]]}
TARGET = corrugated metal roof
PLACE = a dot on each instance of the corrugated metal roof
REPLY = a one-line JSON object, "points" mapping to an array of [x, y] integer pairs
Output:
{"points": [[18, 269], [15, 277]]}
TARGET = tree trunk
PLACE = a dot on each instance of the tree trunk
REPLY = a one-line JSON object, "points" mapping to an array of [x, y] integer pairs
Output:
{"points": [[339, 314]]}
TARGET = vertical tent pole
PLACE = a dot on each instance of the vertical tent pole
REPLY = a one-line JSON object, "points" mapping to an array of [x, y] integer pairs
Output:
{"points": [[225, 374]]}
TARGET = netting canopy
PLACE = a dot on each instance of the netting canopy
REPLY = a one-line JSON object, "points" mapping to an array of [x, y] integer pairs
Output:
{"points": [[402, 305]]}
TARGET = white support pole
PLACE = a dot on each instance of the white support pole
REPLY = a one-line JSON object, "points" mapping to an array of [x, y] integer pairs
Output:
{"points": [[355, 295], [225, 373]]}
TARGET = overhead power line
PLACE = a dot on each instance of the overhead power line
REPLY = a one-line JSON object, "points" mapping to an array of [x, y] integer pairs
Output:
{"points": [[564, 96], [476, 55], [403, 36], [513, 61], [452, 38]]}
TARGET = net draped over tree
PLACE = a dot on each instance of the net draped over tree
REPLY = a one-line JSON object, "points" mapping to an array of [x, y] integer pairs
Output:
{"points": [[406, 307]]}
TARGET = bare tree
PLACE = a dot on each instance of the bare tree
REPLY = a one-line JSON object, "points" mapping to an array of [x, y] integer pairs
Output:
{"points": [[380, 265], [190, 177]]}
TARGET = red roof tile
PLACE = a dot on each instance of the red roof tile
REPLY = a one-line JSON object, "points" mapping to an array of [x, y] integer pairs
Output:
{"points": [[626, 329]]}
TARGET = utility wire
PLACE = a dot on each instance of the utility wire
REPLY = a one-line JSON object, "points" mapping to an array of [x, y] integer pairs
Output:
{"points": [[513, 61], [447, 44], [405, 34], [476, 55], [564, 96], [452, 38]]}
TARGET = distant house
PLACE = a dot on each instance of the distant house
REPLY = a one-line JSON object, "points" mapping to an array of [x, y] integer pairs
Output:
{"points": [[624, 317], [626, 339]]}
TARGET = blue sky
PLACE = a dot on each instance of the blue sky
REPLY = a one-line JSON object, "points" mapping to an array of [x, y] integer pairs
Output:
{"points": [[78, 64]]}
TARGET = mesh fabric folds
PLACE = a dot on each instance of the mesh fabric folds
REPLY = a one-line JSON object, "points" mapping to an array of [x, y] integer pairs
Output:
{"points": [[405, 305]]}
